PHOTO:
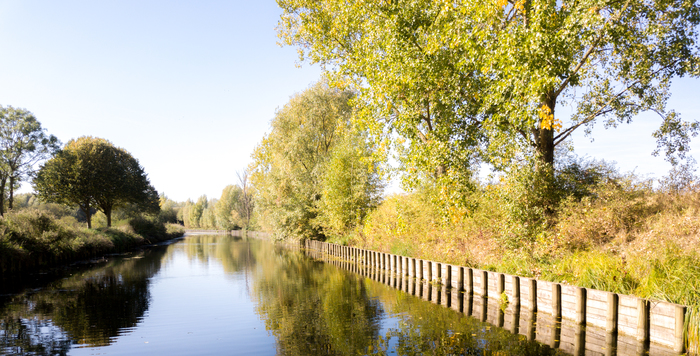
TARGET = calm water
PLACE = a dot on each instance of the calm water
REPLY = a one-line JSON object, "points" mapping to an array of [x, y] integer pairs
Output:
{"points": [[221, 295]]}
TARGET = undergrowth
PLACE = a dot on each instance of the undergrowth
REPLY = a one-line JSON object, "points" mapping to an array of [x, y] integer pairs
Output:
{"points": [[605, 231], [31, 239]]}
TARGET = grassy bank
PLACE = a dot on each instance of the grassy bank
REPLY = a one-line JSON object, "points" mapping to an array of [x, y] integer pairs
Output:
{"points": [[622, 236], [32, 239]]}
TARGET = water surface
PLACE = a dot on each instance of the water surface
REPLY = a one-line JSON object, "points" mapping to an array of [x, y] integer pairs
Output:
{"points": [[223, 295]]}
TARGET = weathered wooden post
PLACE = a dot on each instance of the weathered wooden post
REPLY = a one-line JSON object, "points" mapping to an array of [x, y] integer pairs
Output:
{"points": [[679, 344], [581, 306], [515, 282], [642, 320], [500, 284], [556, 300], [468, 281]]}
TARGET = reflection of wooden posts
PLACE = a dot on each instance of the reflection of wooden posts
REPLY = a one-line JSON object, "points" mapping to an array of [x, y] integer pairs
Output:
{"points": [[467, 303]]}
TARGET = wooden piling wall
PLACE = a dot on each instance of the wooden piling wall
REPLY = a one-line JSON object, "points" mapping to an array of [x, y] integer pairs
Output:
{"points": [[624, 320]]}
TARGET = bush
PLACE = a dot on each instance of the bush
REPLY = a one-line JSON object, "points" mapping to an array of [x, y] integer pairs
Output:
{"points": [[148, 228]]}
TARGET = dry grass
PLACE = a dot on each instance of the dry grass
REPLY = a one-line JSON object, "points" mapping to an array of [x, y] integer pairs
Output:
{"points": [[624, 237]]}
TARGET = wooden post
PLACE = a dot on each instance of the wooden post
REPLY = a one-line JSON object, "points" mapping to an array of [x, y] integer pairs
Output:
{"points": [[447, 275], [468, 281], [484, 283], [515, 281], [500, 285], [436, 271], [419, 270], [581, 306], [642, 320], [556, 300], [460, 277], [430, 270], [679, 344]]}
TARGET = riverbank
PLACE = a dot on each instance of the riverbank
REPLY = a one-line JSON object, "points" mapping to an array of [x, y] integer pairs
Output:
{"points": [[623, 239], [32, 240]]}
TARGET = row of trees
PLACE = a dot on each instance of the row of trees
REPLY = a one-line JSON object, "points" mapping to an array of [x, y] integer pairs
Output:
{"points": [[88, 172], [232, 211], [451, 84]]}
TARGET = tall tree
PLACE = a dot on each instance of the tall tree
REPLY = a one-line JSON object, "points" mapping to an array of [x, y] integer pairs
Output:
{"points": [[227, 216], [23, 143], [246, 199], [484, 79], [92, 173], [291, 165]]}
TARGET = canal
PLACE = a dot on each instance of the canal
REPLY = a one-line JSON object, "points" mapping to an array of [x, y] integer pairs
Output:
{"points": [[223, 295]]}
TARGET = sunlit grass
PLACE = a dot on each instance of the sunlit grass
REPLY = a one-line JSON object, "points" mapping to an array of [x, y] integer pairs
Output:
{"points": [[33, 239]]}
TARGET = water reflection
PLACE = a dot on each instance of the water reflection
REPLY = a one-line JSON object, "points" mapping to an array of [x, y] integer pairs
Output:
{"points": [[88, 308], [222, 295]]}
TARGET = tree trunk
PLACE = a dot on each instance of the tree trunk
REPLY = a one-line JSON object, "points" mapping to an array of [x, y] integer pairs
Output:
{"points": [[545, 138], [108, 213], [3, 181], [12, 192], [86, 209], [545, 149]]}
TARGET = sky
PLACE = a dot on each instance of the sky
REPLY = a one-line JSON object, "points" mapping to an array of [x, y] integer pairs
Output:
{"points": [[189, 87]]}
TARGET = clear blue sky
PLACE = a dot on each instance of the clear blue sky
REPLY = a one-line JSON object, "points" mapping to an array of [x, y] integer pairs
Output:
{"points": [[189, 87]]}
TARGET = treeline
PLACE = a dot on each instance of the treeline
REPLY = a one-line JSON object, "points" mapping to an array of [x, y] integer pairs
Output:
{"points": [[88, 180], [433, 92], [232, 211]]}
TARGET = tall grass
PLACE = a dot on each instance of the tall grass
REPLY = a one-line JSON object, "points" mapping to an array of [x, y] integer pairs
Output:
{"points": [[620, 235]]}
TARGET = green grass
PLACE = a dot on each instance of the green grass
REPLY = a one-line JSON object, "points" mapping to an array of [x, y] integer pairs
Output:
{"points": [[33, 239]]}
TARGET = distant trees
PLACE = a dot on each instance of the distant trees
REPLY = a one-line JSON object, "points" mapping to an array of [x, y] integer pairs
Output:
{"points": [[94, 174], [314, 174], [23, 143], [232, 211]]}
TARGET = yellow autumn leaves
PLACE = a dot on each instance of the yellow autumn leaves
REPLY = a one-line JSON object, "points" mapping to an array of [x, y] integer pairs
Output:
{"points": [[547, 119], [519, 5]]}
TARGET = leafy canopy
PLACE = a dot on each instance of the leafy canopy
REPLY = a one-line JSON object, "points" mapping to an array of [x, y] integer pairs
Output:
{"points": [[299, 168], [92, 173], [462, 81]]}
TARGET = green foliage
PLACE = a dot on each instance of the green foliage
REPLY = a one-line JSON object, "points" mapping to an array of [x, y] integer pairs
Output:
{"points": [[350, 187], [453, 83], [33, 238], [23, 143], [168, 210], [300, 168], [228, 215], [92, 173]]}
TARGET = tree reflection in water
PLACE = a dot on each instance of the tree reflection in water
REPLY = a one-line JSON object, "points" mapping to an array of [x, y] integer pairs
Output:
{"points": [[89, 308], [310, 307]]}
